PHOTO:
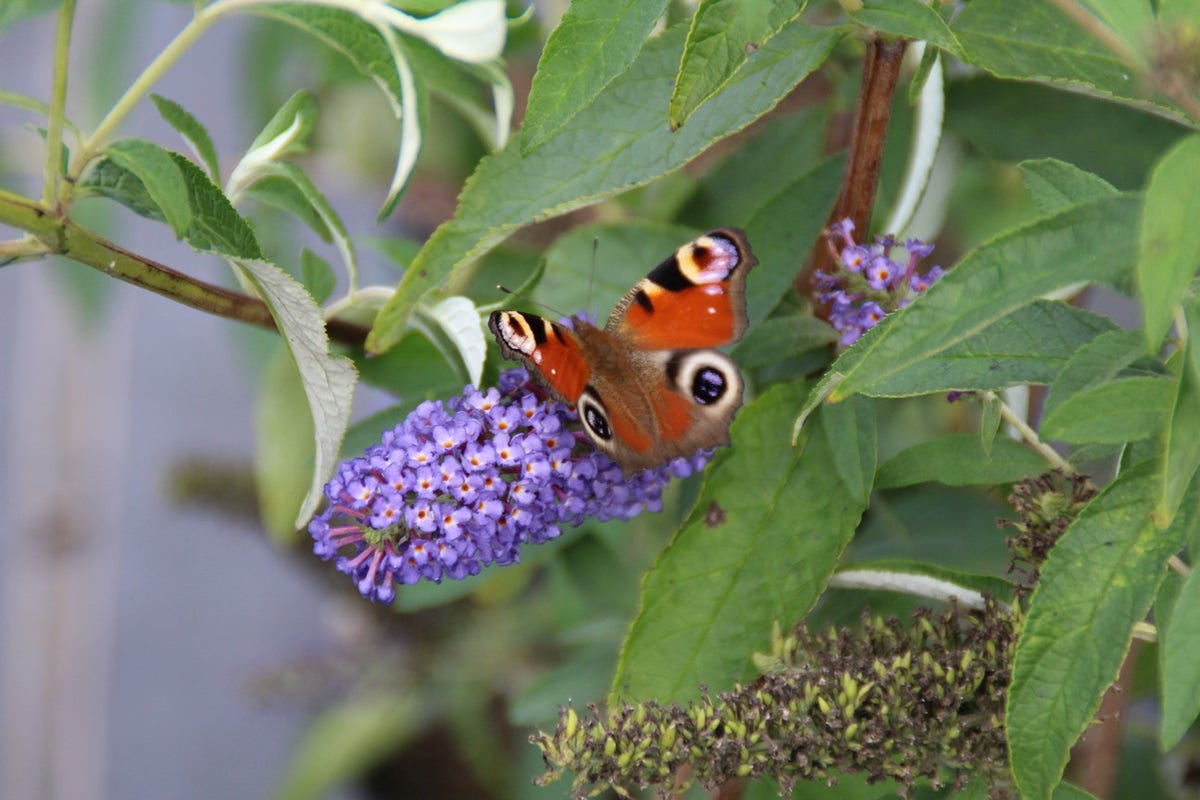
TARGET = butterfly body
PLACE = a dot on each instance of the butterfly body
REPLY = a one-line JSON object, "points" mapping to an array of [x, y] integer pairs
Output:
{"points": [[647, 386]]}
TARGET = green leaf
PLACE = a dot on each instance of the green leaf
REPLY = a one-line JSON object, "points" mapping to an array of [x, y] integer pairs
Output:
{"points": [[1132, 21], [933, 523], [1091, 242], [1029, 345], [1098, 581], [958, 459], [1095, 363], [303, 189], [192, 132], [316, 275], [620, 141], [1011, 121], [216, 226], [413, 370], [295, 118], [1179, 660], [1181, 435], [1056, 185], [758, 547], [37, 106], [340, 744], [723, 34], [1069, 791], [283, 459], [158, 172], [790, 335], [107, 179], [910, 19], [594, 43], [282, 194], [1123, 410], [1032, 40], [989, 422], [365, 49], [784, 230], [1169, 245], [789, 145]]}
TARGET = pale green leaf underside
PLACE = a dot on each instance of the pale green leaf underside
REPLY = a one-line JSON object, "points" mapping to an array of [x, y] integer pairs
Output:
{"points": [[329, 379]]}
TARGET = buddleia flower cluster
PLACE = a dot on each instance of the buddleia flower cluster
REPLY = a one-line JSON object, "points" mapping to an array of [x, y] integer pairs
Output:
{"points": [[892, 701], [466, 483], [868, 284]]}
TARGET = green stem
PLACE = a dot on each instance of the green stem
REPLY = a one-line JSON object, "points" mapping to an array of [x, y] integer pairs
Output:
{"points": [[1029, 434], [141, 87], [58, 103]]}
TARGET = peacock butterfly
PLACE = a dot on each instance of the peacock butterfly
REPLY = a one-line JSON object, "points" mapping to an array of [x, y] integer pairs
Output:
{"points": [[647, 386]]}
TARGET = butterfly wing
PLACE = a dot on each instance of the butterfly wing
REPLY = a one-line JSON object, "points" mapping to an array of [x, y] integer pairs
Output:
{"points": [[696, 298], [552, 352], [647, 387]]}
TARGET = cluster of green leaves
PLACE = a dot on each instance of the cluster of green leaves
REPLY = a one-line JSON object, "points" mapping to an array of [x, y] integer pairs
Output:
{"points": [[1106, 196]]}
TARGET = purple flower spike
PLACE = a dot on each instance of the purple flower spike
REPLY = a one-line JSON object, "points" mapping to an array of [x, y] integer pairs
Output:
{"points": [[868, 283], [463, 484]]}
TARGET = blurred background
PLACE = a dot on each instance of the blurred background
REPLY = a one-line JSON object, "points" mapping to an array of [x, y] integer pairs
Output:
{"points": [[133, 628], [156, 642]]}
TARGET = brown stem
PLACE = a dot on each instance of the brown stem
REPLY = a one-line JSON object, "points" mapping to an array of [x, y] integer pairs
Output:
{"points": [[72, 240], [1095, 759], [881, 71]]}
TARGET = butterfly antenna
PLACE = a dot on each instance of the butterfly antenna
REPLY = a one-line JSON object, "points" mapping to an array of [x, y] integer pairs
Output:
{"points": [[592, 274], [551, 310]]}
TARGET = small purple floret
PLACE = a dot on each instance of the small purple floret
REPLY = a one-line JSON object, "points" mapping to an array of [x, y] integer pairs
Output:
{"points": [[460, 485], [868, 283]]}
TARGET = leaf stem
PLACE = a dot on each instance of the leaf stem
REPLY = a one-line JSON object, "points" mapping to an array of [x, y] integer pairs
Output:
{"points": [[1178, 567], [141, 87], [1028, 434], [1145, 632], [58, 235], [58, 103]]}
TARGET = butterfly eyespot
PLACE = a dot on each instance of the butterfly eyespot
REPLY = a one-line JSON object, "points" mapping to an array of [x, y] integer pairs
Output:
{"points": [[707, 377], [594, 417], [708, 385]]}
